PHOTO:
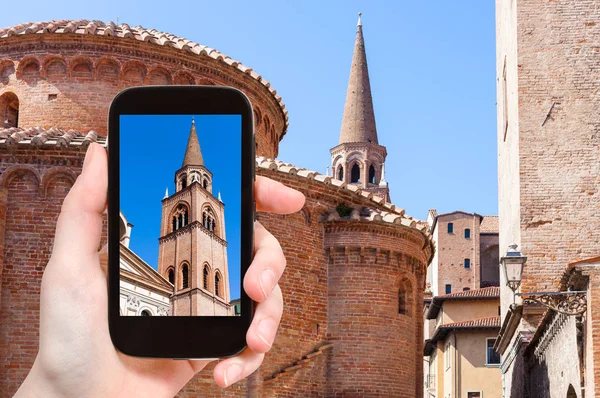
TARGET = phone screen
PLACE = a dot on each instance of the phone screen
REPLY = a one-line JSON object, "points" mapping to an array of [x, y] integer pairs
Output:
{"points": [[180, 210]]}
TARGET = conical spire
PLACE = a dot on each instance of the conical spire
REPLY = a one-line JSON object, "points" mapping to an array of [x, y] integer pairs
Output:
{"points": [[358, 124], [193, 154]]}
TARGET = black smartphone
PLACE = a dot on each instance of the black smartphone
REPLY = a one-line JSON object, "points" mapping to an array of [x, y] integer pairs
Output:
{"points": [[181, 217]]}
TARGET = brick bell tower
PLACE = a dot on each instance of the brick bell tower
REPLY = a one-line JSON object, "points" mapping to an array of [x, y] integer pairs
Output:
{"points": [[192, 247], [358, 159]]}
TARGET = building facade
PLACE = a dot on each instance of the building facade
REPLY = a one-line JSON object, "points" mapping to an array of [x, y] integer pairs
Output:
{"points": [[548, 148], [192, 252], [460, 358], [355, 262]]}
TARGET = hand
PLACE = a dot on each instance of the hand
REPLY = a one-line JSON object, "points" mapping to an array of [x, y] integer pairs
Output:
{"points": [[76, 356]]}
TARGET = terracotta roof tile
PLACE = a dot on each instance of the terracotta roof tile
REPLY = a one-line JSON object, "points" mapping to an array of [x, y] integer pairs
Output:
{"points": [[124, 31], [489, 322], [394, 215], [38, 136], [489, 225], [486, 292]]}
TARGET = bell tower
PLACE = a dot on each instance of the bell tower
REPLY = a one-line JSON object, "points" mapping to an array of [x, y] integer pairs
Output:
{"points": [[192, 245], [358, 159]]}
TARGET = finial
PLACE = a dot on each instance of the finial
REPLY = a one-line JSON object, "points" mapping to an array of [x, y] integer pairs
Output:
{"points": [[327, 172], [166, 193], [383, 182], [219, 196], [193, 122], [359, 19]]}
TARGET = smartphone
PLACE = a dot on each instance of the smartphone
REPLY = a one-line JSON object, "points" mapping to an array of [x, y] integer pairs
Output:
{"points": [[181, 217]]}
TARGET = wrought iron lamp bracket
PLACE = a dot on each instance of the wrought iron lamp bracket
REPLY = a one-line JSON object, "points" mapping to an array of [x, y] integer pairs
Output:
{"points": [[568, 303]]}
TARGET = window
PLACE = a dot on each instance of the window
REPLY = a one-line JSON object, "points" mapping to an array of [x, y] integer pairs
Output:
{"points": [[467, 233], [402, 302], [205, 184], [467, 263], [171, 276], [341, 173], [492, 357], [372, 174], [473, 394], [466, 289], [183, 183], [448, 289], [184, 277], [355, 173], [180, 218], [205, 277], [447, 354], [218, 285], [450, 228], [9, 110], [146, 313], [208, 220]]}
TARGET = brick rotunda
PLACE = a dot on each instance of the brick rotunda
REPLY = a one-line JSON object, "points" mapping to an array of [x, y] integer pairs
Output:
{"points": [[356, 264]]}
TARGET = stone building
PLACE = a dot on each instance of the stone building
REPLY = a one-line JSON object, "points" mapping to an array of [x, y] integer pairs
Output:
{"points": [[547, 67], [142, 290], [192, 251], [356, 264]]}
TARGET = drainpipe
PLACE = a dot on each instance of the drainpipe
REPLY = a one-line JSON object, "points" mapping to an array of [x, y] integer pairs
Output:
{"points": [[455, 368]]}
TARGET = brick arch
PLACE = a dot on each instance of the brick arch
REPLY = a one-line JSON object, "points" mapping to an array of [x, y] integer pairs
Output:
{"points": [[166, 275], [107, 68], [14, 171], [81, 67], [158, 75], [174, 210], [52, 175], [206, 82], [133, 72], [9, 115], [257, 116], [205, 206], [221, 285], [184, 78], [54, 66], [24, 67], [406, 296], [180, 273], [7, 68], [210, 281]]}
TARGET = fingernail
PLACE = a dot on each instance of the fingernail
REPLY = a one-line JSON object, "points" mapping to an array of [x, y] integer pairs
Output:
{"points": [[88, 157], [232, 374], [266, 331], [267, 282]]}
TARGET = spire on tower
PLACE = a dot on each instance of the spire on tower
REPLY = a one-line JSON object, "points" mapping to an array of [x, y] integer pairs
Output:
{"points": [[193, 154], [358, 123], [166, 193]]}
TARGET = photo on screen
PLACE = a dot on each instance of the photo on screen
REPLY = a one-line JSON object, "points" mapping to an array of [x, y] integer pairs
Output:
{"points": [[180, 210]]}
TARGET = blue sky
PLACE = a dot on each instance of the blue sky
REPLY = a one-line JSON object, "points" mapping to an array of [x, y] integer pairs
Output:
{"points": [[432, 67], [148, 166]]}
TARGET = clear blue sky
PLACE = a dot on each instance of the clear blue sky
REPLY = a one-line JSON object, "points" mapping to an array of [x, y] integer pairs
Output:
{"points": [[148, 166], [432, 67]]}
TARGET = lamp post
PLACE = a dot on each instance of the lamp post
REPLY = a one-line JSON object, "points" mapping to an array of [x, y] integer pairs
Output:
{"points": [[569, 302]]}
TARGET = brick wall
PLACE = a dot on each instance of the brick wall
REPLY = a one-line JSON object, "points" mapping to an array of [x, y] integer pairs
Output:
{"points": [[34, 194], [84, 73]]}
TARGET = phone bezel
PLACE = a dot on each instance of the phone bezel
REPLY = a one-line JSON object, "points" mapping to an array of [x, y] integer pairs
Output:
{"points": [[181, 337]]}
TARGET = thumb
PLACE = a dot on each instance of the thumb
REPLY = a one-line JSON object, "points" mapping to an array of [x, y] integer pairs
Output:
{"points": [[79, 225]]}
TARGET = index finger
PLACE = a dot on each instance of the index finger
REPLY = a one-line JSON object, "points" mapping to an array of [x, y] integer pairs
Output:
{"points": [[274, 197]]}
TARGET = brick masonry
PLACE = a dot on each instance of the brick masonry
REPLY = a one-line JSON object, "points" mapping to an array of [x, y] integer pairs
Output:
{"points": [[343, 277], [549, 148]]}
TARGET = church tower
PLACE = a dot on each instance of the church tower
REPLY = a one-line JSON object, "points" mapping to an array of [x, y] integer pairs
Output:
{"points": [[358, 159], [192, 245]]}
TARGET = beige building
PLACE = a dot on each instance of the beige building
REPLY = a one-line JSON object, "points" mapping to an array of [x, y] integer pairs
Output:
{"points": [[143, 291], [460, 361]]}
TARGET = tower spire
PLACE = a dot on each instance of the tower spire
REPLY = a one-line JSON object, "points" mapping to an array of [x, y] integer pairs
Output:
{"points": [[193, 154], [358, 123]]}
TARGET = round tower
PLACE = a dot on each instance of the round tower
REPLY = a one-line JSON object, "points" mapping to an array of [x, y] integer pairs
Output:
{"points": [[64, 75]]}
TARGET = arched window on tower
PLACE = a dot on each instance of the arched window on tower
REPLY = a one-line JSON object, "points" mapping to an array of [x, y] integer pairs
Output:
{"points": [[9, 110], [355, 173], [184, 276], [218, 290], [405, 299], [174, 223], [205, 184], [372, 174], [205, 278], [183, 181], [341, 173], [208, 220], [172, 276], [180, 218]]}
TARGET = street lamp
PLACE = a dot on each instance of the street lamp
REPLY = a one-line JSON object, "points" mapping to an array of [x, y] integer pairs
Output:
{"points": [[512, 263], [570, 302]]}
